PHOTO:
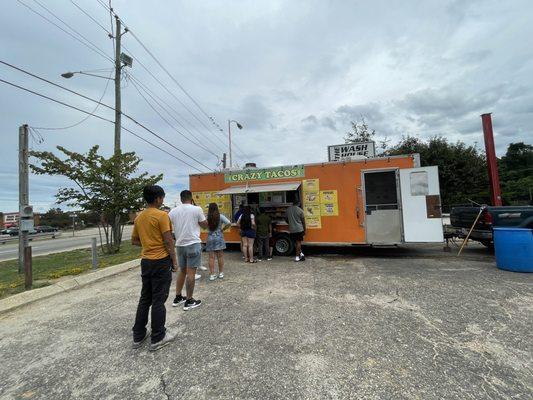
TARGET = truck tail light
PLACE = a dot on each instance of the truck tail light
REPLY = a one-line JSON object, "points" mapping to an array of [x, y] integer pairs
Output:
{"points": [[486, 217]]}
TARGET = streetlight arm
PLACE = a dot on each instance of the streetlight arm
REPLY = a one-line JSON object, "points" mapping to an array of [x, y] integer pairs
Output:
{"points": [[68, 75], [96, 76]]}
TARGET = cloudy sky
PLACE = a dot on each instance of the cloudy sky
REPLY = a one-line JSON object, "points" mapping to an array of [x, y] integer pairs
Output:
{"points": [[293, 72]]}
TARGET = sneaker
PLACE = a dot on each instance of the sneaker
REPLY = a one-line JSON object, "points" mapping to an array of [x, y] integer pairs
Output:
{"points": [[178, 300], [302, 257], [259, 259], [197, 276], [221, 275], [169, 337], [269, 259], [191, 303], [136, 345], [202, 268], [212, 277], [297, 259]]}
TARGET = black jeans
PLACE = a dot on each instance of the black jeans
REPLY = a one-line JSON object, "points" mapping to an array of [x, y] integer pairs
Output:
{"points": [[156, 279], [264, 247]]}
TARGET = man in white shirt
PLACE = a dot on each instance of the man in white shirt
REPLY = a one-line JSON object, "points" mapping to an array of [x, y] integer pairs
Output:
{"points": [[187, 219]]}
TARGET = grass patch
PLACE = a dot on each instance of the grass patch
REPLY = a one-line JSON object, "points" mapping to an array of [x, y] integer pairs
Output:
{"points": [[53, 266]]}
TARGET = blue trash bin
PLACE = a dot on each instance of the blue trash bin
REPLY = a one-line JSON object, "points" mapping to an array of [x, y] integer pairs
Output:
{"points": [[514, 249]]}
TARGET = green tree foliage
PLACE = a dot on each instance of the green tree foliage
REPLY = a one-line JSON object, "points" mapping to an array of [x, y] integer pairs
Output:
{"points": [[56, 217], [516, 174], [109, 187], [462, 168], [360, 132], [60, 219]]}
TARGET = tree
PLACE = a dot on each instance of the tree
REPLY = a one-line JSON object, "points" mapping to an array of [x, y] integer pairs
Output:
{"points": [[516, 174], [106, 186], [360, 132], [462, 168], [56, 217]]}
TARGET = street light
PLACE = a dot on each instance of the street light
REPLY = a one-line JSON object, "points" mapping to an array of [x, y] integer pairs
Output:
{"points": [[68, 75], [229, 135]]}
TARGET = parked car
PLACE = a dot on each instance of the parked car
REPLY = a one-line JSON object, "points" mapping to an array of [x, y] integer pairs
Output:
{"points": [[45, 229], [11, 231], [463, 217]]}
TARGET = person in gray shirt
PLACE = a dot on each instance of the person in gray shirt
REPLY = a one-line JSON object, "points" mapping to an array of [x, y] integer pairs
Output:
{"points": [[296, 220]]}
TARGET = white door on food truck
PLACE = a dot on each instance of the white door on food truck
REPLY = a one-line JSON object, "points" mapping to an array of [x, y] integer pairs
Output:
{"points": [[421, 206]]}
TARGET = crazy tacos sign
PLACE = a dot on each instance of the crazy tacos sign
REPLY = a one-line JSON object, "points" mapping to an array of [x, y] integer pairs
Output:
{"points": [[246, 175]]}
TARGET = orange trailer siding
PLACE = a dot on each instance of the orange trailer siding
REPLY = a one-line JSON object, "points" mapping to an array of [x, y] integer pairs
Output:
{"points": [[345, 177]]}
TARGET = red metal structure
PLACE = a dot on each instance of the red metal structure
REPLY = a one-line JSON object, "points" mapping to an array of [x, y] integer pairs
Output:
{"points": [[492, 163]]}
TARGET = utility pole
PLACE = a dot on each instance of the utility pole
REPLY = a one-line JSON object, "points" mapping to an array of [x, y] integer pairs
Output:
{"points": [[224, 161], [23, 191], [118, 69]]}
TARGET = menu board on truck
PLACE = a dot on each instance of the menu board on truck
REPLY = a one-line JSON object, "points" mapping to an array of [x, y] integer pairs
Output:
{"points": [[311, 203], [329, 206]]}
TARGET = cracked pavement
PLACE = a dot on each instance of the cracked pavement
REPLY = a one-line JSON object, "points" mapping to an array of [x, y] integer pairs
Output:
{"points": [[430, 326]]}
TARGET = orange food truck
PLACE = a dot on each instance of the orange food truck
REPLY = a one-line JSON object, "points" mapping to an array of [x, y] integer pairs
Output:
{"points": [[372, 201]]}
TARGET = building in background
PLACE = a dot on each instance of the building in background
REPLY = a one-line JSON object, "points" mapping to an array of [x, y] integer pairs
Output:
{"points": [[10, 219]]}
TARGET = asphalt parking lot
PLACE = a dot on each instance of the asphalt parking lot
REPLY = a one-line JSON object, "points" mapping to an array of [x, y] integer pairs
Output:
{"points": [[393, 324]]}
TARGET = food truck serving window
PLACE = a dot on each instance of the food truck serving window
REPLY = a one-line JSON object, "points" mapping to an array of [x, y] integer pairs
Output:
{"points": [[275, 187], [272, 198]]}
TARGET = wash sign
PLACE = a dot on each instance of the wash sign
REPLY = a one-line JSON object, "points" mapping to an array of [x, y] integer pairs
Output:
{"points": [[344, 151], [294, 171]]}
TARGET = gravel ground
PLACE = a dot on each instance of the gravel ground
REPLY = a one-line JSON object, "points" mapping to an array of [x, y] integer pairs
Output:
{"points": [[394, 324]]}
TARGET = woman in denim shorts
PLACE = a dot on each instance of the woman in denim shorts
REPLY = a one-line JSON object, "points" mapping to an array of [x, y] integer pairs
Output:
{"points": [[215, 244]]}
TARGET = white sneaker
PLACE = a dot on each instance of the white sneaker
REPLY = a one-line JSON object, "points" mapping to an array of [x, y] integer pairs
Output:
{"points": [[212, 277], [297, 259], [221, 275], [197, 276], [202, 268], [169, 337]]}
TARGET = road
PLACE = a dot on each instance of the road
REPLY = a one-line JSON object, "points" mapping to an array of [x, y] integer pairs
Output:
{"points": [[332, 327], [65, 242]]}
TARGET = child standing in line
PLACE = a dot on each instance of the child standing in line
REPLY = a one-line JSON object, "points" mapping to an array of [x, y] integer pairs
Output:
{"points": [[215, 244]]}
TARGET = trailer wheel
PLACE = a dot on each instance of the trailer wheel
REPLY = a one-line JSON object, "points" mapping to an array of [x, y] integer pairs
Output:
{"points": [[283, 245]]}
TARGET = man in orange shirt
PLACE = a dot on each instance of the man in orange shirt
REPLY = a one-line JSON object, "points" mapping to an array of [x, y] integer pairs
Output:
{"points": [[152, 230]]}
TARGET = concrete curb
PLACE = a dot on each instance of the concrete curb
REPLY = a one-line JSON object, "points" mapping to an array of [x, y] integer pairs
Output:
{"points": [[30, 296]]}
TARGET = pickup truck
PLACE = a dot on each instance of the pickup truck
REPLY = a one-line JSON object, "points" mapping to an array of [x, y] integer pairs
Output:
{"points": [[462, 218]]}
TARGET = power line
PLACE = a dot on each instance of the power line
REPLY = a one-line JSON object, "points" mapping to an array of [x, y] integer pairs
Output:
{"points": [[170, 75], [94, 115], [210, 118], [87, 117], [105, 105], [168, 123], [179, 101], [112, 26], [104, 5], [240, 152], [173, 95], [158, 101], [91, 17], [89, 44]]}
